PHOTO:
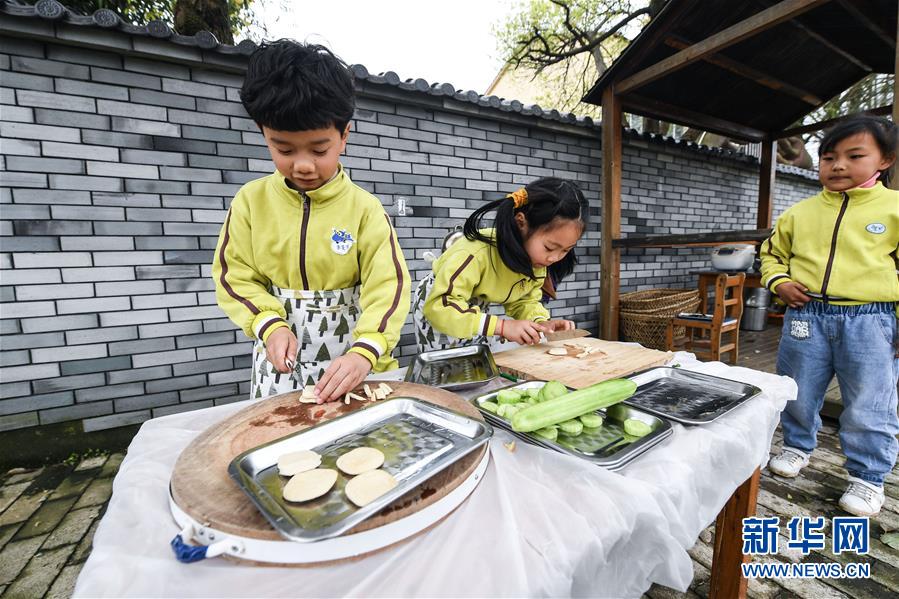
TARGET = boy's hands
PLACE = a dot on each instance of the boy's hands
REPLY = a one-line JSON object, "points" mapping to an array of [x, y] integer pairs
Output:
{"points": [[342, 376], [280, 347], [525, 332], [551, 326], [793, 294]]}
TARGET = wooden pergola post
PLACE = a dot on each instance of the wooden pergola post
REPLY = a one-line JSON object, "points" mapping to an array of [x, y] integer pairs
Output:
{"points": [[766, 183], [610, 259]]}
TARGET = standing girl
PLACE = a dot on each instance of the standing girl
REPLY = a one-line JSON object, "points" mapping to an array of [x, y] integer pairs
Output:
{"points": [[535, 231], [832, 258]]}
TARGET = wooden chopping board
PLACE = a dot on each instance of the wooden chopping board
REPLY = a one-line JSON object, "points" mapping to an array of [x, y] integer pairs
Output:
{"points": [[613, 360], [200, 484]]}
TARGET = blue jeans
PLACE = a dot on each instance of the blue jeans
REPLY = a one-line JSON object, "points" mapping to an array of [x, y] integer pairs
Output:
{"points": [[856, 343]]}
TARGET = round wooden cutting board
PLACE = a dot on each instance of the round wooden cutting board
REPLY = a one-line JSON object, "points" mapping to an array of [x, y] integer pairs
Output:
{"points": [[202, 488]]}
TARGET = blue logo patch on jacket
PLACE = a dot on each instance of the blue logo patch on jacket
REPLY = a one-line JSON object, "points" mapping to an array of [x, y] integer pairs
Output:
{"points": [[341, 241], [876, 228]]}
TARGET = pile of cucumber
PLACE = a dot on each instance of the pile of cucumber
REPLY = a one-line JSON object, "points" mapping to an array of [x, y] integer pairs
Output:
{"points": [[553, 409]]}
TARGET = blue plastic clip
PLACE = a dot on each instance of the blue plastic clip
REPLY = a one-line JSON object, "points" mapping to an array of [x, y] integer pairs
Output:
{"points": [[185, 553]]}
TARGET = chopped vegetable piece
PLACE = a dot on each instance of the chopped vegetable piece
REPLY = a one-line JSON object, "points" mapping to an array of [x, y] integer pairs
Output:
{"points": [[550, 432], [572, 427], [637, 428], [489, 406], [591, 420], [552, 390], [574, 404], [533, 393], [510, 446], [508, 396], [557, 351]]}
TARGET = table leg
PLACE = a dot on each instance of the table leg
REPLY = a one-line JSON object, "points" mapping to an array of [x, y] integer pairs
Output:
{"points": [[727, 580]]}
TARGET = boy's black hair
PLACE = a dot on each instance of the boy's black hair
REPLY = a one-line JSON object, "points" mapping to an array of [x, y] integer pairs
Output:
{"points": [[549, 199], [884, 132], [291, 86]]}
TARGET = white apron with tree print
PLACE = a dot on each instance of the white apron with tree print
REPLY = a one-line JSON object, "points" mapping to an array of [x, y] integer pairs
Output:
{"points": [[323, 322]]}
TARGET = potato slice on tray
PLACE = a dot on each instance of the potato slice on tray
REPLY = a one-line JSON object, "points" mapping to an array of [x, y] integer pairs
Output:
{"points": [[310, 485], [367, 487], [360, 460], [298, 461]]}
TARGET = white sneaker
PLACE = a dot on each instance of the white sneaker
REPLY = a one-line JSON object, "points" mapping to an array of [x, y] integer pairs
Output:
{"points": [[862, 498], [788, 462]]}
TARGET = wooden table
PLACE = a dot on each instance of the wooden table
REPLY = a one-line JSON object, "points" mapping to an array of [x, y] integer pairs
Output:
{"points": [[753, 279]]}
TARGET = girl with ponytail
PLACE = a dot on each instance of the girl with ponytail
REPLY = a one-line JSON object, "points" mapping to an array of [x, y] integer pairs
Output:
{"points": [[534, 233]]}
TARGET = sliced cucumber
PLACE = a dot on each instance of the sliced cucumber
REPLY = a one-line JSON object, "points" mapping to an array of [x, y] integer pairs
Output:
{"points": [[591, 420], [636, 428], [489, 406], [508, 396], [572, 428], [550, 432]]}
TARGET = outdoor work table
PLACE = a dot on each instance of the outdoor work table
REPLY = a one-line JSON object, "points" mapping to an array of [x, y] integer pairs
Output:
{"points": [[540, 523]]}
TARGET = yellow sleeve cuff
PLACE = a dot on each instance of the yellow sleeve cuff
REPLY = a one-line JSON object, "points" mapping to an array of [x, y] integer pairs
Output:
{"points": [[364, 351], [776, 280], [488, 325], [266, 323]]}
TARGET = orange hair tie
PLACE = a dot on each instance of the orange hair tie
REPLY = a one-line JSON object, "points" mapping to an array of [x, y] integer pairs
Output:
{"points": [[519, 197]]}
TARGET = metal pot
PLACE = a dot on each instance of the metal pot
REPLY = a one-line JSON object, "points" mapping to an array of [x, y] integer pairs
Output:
{"points": [[455, 235]]}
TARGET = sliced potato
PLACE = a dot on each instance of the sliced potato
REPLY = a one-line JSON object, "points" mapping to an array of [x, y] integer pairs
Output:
{"points": [[367, 487], [298, 461], [310, 485], [308, 395], [359, 460], [557, 351]]}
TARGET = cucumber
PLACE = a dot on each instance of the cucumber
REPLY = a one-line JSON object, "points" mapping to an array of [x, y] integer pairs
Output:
{"points": [[489, 406], [508, 396], [572, 427], [574, 404], [550, 432], [533, 393], [636, 428], [591, 420]]}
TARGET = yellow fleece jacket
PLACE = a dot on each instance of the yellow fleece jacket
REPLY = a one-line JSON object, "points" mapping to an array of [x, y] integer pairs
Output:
{"points": [[474, 269], [838, 244], [275, 235]]}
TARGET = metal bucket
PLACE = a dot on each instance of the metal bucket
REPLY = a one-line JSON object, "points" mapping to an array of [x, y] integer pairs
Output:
{"points": [[756, 297], [754, 319]]}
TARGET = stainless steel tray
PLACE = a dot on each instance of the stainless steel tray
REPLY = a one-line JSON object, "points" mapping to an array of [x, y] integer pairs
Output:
{"points": [[418, 439], [606, 446], [688, 397], [457, 368]]}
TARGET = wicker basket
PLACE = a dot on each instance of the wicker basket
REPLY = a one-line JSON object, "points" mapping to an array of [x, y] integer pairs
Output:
{"points": [[656, 301], [646, 318]]}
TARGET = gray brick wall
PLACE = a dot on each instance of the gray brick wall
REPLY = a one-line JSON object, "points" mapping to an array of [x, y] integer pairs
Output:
{"points": [[117, 172]]}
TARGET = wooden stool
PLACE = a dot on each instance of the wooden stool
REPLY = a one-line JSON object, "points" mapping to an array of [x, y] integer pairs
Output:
{"points": [[725, 318]]}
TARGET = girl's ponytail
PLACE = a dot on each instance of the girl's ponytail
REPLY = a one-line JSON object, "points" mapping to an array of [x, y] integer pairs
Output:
{"points": [[542, 201]]}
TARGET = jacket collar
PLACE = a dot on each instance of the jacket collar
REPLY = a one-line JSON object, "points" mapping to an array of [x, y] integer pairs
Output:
{"points": [[333, 189], [857, 195]]}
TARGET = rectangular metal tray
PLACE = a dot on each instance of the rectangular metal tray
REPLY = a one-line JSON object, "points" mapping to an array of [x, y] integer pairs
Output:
{"points": [[418, 440], [605, 446], [453, 369], [688, 397]]}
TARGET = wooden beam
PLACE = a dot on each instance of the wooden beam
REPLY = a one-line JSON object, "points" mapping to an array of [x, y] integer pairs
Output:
{"points": [[865, 20], [823, 41], [693, 239], [783, 11], [744, 70], [879, 111], [767, 170], [894, 170], [610, 259], [727, 581], [651, 107]]}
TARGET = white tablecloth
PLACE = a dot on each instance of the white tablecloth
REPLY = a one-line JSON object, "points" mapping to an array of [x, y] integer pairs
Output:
{"points": [[539, 524]]}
